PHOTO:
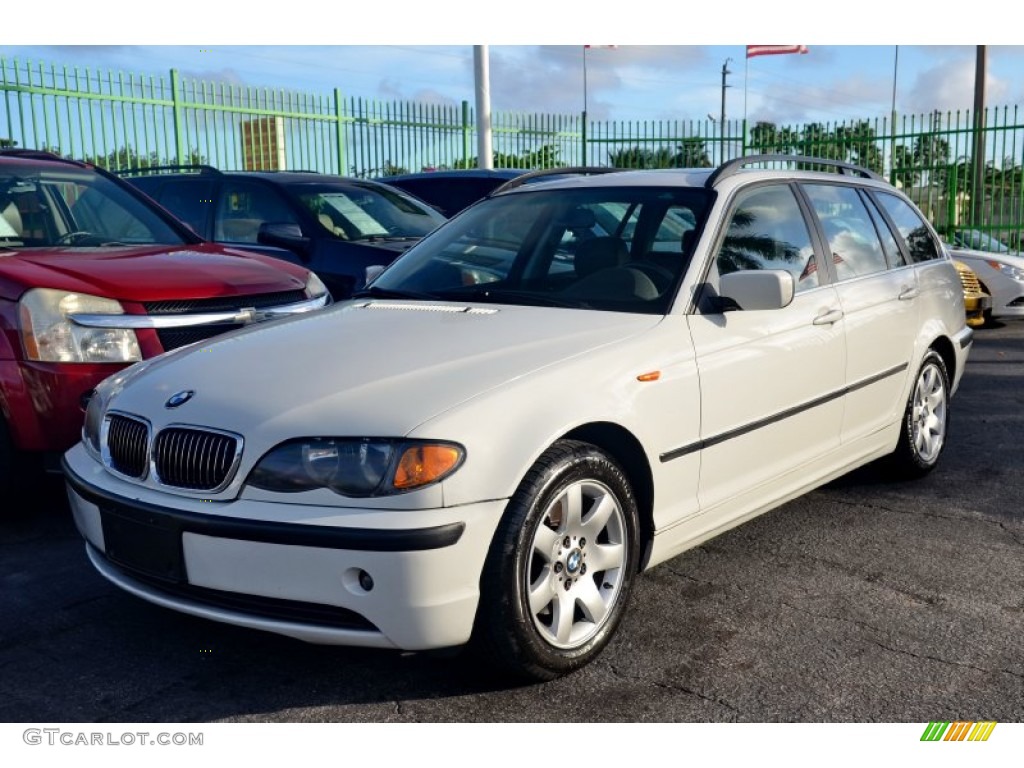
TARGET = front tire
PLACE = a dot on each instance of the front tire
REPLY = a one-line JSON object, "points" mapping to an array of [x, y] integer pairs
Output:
{"points": [[925, 420], [557, 577]]}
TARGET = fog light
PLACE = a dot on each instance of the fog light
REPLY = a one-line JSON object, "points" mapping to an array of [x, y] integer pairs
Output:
{"points": [[365, 580]]}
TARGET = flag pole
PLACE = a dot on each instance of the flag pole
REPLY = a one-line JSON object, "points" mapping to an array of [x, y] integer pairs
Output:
{"points": [[892, 128], [746, 71]]}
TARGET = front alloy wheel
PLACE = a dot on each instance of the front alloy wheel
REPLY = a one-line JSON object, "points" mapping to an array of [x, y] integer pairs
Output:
{"points": [[575, 572], [557, 577]]}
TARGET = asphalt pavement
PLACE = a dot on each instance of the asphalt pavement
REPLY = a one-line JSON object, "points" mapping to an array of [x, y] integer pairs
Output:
{"points": [[865, 600]]}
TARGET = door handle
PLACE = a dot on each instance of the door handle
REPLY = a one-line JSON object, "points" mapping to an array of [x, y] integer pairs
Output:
{"points": [[908, 292], [828, 317]]}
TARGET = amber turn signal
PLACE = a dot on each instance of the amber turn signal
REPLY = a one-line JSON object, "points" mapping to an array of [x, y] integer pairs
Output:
{"points": [[426, 463]]}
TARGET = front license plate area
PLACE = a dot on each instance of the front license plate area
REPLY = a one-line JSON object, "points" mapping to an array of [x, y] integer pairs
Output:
{"points": [[149, 546]]}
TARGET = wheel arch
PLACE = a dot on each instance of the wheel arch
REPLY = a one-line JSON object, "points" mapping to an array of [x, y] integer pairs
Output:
{"points": [[624, 447], [944, 347]]}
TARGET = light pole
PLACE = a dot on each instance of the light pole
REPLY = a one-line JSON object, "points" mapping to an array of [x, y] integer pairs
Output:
{"points": [[482, 77], [978, 182]]}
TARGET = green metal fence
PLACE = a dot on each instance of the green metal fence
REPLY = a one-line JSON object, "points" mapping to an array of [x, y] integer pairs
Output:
{"points": [[120, 120]]}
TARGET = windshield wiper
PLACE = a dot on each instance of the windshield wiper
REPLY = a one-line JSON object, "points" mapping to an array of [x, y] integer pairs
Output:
{"points": [[374, 292], [384, 238], [509, 296]]}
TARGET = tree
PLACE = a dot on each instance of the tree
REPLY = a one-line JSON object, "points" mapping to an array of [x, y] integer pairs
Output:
{"points": [[693, 153], [766, 138], [390, 169], [545, 156], [126, 157], [8, 143], [639, 157], [690, 153]]}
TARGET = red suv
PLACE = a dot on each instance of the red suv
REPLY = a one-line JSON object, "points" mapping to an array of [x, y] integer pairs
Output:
{"points": [[95, 276]]}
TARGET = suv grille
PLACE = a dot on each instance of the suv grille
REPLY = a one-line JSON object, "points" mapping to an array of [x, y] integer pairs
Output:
{"points": [[222, 303], [172, 338], [127, 443], [195, 459]]}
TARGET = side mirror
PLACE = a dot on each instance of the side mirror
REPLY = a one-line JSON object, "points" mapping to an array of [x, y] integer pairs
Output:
{"points": [[758, 289], [287, 236]]}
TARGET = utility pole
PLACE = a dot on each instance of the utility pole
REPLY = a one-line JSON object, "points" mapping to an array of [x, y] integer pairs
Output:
{"points": [[978, 186], [482, 76], [721, 124]]}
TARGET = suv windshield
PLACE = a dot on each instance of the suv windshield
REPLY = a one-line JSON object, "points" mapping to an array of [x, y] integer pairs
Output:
{"points": [[73, 207], [610, 248], [357, 212]]}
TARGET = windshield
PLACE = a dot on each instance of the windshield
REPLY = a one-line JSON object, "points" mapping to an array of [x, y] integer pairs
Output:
{"points": [[979, 241], [77, 208], [613, 248], [357, 212]]}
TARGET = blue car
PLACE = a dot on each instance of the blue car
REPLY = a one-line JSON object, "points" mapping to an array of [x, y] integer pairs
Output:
{"points": [[452, 191], [342, 229]]}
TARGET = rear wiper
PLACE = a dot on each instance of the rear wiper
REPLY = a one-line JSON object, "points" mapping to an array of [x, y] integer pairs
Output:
{"points": [[374, 292]]}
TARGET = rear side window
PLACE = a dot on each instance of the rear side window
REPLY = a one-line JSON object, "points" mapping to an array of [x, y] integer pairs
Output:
{"points": [[920, 243], [767, 230], [852, 239]]}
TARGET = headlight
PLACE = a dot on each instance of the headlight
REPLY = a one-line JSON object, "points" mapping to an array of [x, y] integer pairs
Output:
{"points": [[48, 335], [355, 467], [1007, 269], [94, 420], [315, 286], [99, 401]]}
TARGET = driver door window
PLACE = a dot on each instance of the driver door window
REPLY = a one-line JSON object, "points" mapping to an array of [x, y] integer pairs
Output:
{"points": [[243, 206], [767, 230]]}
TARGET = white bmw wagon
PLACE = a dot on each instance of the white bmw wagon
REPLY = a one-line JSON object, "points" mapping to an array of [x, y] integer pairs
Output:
{"points": [[567, 384]]}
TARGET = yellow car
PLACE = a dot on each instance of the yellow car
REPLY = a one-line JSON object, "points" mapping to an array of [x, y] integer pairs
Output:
{"points": [[976, 301]]}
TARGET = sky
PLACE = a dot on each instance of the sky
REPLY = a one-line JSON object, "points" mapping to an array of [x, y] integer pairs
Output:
{"points": [[666, 64]]}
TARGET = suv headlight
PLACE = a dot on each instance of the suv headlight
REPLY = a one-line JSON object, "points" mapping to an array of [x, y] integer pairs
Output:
{"points": [[357, 467], [315, 286], [48, 335]]}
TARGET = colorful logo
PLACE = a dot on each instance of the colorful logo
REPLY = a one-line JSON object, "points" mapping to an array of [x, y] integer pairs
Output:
{"points": [[958, 731]]}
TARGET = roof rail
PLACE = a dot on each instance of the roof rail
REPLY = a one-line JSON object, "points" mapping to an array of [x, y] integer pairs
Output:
{"points": [[577, 170], [38, 154], [150, 168], [729, 168]]}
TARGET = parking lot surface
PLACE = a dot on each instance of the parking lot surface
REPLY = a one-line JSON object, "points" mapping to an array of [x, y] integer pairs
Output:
{"points": [[865, 600]]}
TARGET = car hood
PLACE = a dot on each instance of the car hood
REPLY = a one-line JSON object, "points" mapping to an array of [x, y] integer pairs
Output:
{"points": [[968, 255], [150, 273], [364, 368]]}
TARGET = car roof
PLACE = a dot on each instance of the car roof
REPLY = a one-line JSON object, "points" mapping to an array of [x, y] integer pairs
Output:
{"points": [[464, 173]]}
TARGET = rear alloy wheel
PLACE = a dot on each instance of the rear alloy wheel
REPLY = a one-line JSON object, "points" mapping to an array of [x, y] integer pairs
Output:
{"points": [[925, 421], [558, 575]]}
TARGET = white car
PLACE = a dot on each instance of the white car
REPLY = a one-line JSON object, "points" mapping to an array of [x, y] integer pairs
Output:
{"points": [[528, 408], [1001, 275]]}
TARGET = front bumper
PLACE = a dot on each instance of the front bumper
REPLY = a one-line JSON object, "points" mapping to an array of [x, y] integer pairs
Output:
{"points": [[302, 580]]}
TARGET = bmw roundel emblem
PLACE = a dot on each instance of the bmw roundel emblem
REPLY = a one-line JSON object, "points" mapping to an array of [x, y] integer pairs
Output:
{"points": [[179, 398]]}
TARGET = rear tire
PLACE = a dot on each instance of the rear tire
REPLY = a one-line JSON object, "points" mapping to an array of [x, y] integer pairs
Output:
{"points": [[558, 574], [7, 472], [925, 420]]}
